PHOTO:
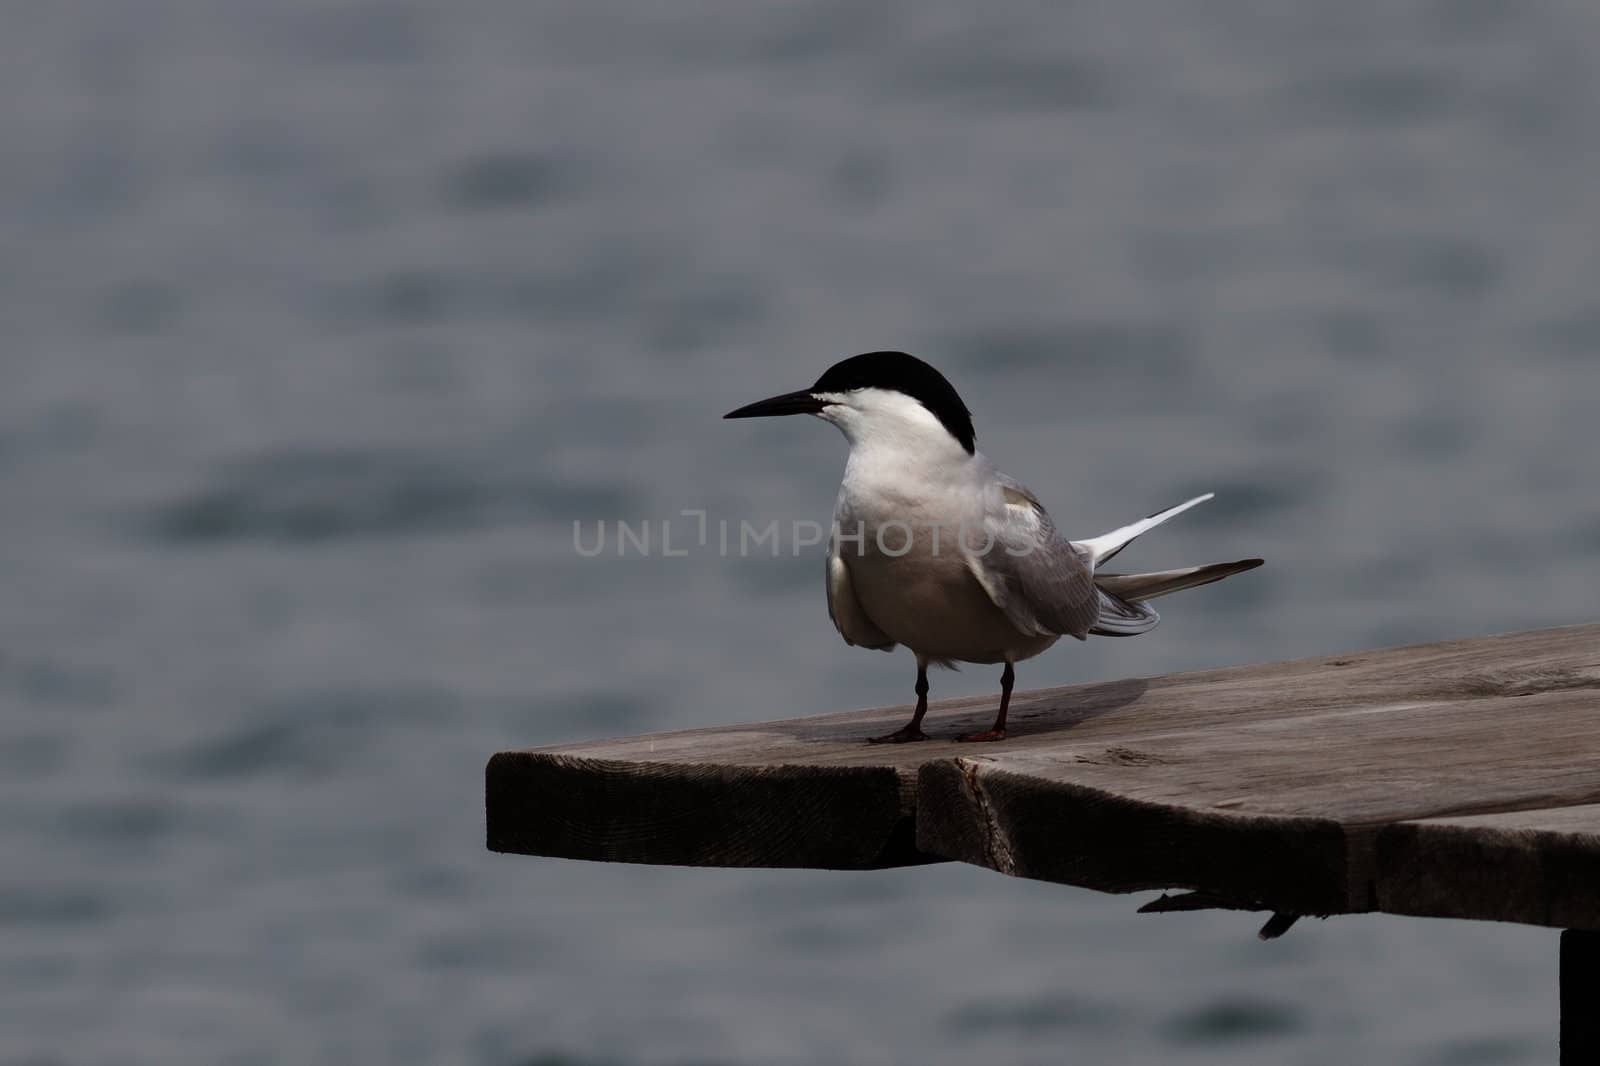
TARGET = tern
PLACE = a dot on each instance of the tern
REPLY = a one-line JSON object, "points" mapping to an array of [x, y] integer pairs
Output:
{"points": [[935, 548]]}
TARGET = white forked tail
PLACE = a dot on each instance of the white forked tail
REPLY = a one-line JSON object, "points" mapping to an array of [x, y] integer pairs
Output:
{"points": [[1124, 607], [1141, 587], [1103, 547]]}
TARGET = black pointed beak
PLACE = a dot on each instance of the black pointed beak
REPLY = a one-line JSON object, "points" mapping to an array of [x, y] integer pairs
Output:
{"points": [[790, 403]]}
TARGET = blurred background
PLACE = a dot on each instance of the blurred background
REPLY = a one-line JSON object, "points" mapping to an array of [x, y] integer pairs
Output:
{"points": [[324, 321]]}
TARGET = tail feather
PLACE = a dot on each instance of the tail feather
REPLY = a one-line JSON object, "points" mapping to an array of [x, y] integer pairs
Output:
{"points": [[1137, 588], [1123, 618], [1103, 547]]}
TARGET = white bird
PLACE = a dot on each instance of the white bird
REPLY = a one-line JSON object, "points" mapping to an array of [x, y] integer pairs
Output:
{"points": [[935, 548]]}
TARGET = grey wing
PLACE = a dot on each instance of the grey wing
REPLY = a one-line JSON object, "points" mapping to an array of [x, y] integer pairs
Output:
{"points": [[1042, 583], [848, 616]]}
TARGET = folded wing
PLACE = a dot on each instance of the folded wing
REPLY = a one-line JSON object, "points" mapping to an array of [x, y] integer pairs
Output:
{"points": [[848, 616], [1046, 584], [1043, 584]]}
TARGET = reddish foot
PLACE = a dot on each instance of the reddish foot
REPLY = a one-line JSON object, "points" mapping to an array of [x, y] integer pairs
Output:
{"points": [[905, 734], [987, 734]]}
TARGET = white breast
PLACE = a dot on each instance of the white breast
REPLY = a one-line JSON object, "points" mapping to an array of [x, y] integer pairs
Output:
{"points": [[900, 522]]}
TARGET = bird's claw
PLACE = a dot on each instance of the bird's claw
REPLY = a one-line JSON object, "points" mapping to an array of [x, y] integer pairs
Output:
{"points": [[986, 735], [903, 735]]}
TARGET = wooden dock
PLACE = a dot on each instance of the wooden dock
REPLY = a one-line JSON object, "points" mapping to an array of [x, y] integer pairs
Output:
{"points": [[1453, 780]]}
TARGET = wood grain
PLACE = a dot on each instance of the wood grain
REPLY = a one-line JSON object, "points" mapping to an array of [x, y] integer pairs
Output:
{"points": [[1454, 779]]}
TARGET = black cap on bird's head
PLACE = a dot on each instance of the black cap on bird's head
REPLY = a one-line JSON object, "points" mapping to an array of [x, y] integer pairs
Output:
{"points": [[884, 371]]}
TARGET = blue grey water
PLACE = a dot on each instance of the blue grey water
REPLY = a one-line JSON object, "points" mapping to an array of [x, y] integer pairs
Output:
{"points": [[323, 322]]}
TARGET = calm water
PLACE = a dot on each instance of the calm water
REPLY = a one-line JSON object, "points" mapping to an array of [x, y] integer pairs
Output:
{"points": [[323, 322]]}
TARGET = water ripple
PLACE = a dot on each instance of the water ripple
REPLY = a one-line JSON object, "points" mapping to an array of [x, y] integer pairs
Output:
{"points": [[307, 496], [1230, 1020], [1033, 1016], [508, 180]]}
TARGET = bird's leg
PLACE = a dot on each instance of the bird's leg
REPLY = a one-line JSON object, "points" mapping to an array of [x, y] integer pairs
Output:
{"points": [[998, 730], [912, 730]]}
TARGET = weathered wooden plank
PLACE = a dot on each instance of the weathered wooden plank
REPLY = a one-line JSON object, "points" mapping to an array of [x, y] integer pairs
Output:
{"points": [[1511, 665], [1050, 828], [1353, 782], [1286, 811], [731, 796], [699, 814], [1540, 866]]}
